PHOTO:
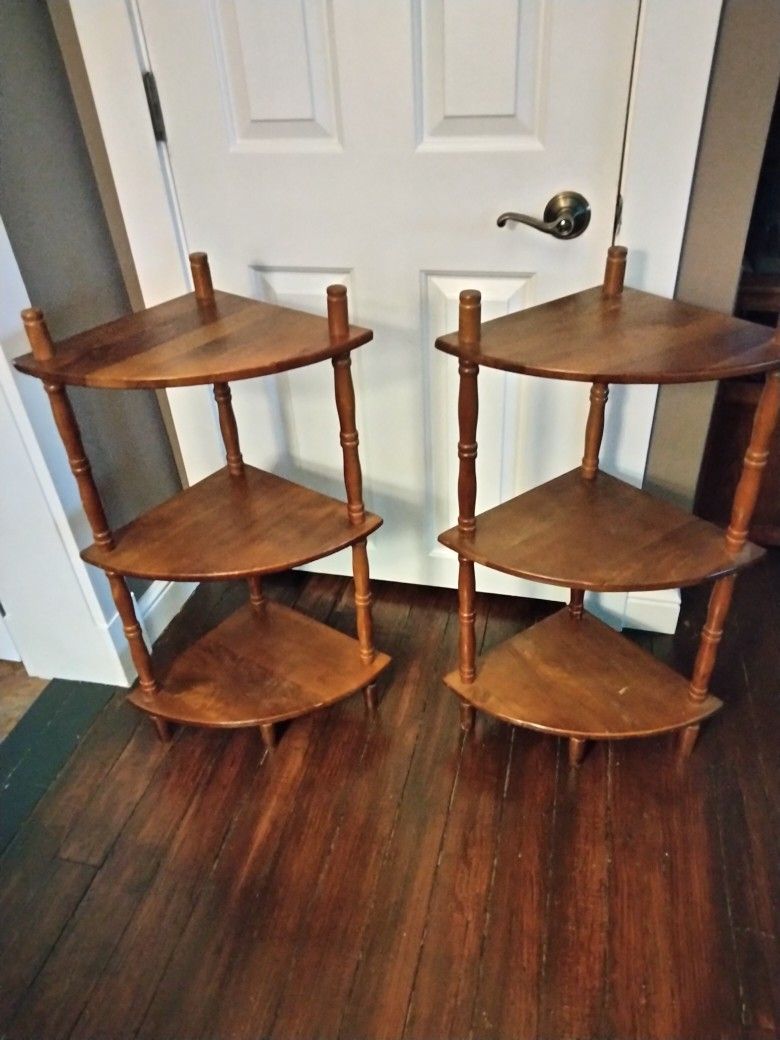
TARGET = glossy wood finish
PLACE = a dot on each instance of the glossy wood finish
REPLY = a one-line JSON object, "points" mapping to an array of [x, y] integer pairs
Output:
{"points": [[231, 527], [237, 523], [754, 464], [470, 311], [727, 441], [594, 430], [745, 498], [67, 427], [259, 668], [201, 278], [600, 534], [579, 678], [228, 429], [635, 337], [187, 341], [423, 886], [587, 530], [614, 271]]}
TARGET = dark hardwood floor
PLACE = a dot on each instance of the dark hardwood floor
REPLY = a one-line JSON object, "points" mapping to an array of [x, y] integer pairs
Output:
{"points": [[388, 879]]}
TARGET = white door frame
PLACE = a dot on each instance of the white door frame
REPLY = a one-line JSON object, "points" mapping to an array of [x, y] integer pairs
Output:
{"points": [[675, 48], [58, 612]]}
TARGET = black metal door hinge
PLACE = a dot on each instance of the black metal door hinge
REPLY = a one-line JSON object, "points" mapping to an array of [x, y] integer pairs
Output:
{"points": [[155, 108]]}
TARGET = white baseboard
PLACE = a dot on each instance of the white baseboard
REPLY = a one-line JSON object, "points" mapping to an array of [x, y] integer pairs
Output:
{"points": [[653, 611]]}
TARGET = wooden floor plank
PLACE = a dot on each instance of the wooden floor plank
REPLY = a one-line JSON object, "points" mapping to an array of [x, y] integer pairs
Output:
{"points": [[58, 994], [572, 984], [325, 965], [368, 879], [378, 1003], [129, 977], [224, 990]]}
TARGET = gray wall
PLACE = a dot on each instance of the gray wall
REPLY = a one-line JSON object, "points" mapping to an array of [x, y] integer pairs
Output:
{"points": [[741, 97], [52, 212]]}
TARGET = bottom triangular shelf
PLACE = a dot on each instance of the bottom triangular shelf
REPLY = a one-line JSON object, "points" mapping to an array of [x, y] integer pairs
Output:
{"points": [[257, 668], [580, 679]]}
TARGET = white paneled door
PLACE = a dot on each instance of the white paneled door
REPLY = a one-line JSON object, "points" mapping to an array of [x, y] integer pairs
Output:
{"points": [[375, 142]]}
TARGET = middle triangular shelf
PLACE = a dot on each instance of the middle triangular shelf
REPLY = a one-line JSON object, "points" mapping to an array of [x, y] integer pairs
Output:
{"points": [[599, 534], [229, 527]]}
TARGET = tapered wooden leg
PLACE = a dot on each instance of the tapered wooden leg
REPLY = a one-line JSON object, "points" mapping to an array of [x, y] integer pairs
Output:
{"points": [[135, 640], [163, 728], [369, 698], [577, 747], [268, 734], [576, 603], [467, 642], [468, 716], [364, 623], [594, 430], [255, 593], [687, 740], [745, 498], [711, 633]]}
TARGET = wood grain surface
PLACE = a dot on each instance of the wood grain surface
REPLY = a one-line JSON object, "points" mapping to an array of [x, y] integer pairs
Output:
{"points": [[232, 526], [258, 667], [578, 677], [635, 337], [389, 878], [186, 341], [598, 534]]}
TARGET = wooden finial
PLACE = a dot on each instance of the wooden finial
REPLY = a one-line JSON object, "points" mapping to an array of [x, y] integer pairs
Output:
{"points": [[201, 277], [470, 316], [615, 271], [338, 313], [38, 334]]}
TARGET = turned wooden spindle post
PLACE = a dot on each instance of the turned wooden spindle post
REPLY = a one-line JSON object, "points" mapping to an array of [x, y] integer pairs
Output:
{"points": [[594, 430], [470, 316], [615, 271], [338, 328], [577, 748], [229, 429], [65, 421], [255, 593], [745, 497], [201, 278], [577, 603]]}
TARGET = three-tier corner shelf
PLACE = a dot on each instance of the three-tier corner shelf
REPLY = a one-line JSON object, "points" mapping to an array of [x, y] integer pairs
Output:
{"points": [[265, 663], [570, 674]]}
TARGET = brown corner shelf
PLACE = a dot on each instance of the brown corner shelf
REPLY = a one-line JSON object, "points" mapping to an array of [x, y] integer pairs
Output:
{"points": [[634, 337], [258, 668], [571, 675], [617, 689], [188, 341], [266, 662], [232, 527], [598, 534]]}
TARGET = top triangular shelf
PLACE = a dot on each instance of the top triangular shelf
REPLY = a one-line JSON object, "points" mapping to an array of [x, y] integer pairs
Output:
{"points": [[634, 337], [187, 341]]}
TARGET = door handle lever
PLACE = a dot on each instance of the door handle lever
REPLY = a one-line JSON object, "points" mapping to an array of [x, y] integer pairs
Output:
{"points": [[566, 215]]}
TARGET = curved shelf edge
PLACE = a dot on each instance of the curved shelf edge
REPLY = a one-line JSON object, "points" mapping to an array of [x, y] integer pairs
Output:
{"points": [[601, 535], [228, 527], [580, 679], [185, 343], [260, 667]]}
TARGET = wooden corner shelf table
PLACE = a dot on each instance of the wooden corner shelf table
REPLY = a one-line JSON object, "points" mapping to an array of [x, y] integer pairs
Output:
{"points": [[570, 674], [266, 663]]}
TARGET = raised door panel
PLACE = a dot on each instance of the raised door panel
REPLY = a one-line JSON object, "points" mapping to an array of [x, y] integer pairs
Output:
{"points": [[277, 76]]}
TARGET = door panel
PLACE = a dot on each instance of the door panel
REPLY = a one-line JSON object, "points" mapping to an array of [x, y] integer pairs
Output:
{"points": [[375, 142]]}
